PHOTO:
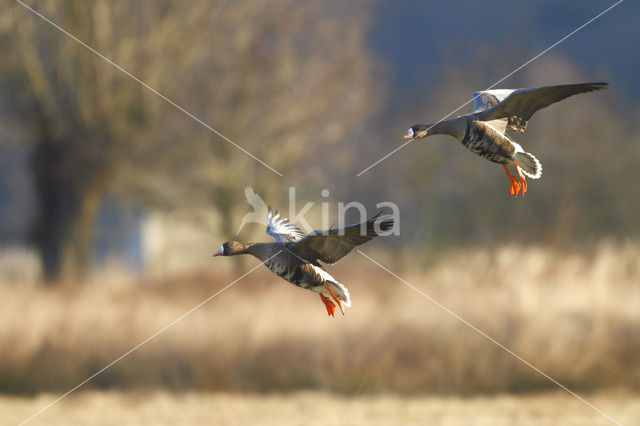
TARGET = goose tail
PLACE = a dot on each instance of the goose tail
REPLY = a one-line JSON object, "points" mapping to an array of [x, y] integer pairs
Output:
{"points": [[338, 293], [529, 164], [341, 291]]}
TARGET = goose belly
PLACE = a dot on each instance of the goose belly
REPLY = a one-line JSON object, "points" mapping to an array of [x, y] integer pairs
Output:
{"points": [[297, 273], [488, 143]]}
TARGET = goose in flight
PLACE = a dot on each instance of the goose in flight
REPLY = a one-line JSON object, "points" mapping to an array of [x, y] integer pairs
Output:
{"points": [[295, 256], [494, 112]]}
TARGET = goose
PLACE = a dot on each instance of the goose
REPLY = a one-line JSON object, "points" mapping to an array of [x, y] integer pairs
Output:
{"points": [[295, 256], [494, 112]]}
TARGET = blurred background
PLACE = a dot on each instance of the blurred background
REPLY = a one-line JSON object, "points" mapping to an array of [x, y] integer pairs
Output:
{"points": [[112, 201]]}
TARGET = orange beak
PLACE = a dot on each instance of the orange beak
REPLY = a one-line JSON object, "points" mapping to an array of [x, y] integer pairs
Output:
{"points": [[407, 136]]}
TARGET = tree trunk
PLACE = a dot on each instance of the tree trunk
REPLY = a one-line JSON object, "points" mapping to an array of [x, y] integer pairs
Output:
{"points": [[77, 256], [63, 230]]}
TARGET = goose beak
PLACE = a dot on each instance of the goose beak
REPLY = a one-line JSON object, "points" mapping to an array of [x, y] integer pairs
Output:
{"points": [[219, 252], [407, 137]]}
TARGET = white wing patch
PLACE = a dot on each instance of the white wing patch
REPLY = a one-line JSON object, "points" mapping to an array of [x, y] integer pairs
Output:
{"points": [[282, 229], [500, 125]]}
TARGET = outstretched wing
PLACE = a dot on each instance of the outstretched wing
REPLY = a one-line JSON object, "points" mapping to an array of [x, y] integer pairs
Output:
{"points": [[521, 104], [282, 230], [334, 244], [486, 99]]}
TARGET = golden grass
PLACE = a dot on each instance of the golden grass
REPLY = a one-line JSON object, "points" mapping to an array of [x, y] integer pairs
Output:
{"points": [[318, 408], [575, 316]]}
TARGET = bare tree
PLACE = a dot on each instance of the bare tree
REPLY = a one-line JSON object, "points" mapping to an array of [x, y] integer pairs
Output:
{"points": [[280, 78]]}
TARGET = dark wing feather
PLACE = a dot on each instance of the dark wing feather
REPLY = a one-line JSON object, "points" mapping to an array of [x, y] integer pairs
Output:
{"points": [[334, 244], [520, 105]]}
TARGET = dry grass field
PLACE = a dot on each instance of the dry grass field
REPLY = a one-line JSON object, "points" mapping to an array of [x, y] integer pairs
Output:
{"points": [[317, 408], [575, 316]]}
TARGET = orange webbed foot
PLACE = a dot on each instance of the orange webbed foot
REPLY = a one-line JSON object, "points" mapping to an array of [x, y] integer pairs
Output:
{"points": [[335, 297], [522, 179], [514, 188], [514, 184], [524, 186], [331, 308]]}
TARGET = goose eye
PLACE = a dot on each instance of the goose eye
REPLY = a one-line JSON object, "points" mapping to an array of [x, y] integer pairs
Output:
{"points": [[410, 132]]}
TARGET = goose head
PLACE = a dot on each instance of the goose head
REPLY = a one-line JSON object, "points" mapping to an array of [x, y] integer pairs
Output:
{"points": [[232, 248], [416, 132]]}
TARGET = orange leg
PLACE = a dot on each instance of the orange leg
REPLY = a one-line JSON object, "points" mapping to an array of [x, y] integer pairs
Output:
{"points": [[331, 308], [522, 180], [333, 294], [514, 188]]}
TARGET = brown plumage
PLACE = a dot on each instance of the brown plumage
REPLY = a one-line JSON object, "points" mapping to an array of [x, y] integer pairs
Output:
{"points": [[294, 256], [495, 112]]}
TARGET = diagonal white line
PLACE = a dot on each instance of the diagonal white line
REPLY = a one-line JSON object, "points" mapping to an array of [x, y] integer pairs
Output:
{"points": [[482, 333], [163, 329], [399, 148], [146, 86], [499, 81]]}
